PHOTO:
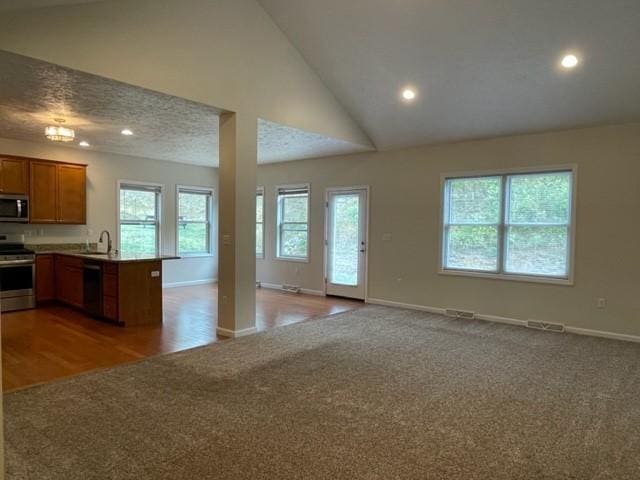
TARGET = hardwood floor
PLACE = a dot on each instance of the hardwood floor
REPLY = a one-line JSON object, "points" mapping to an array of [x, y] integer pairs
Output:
{"points": [[54, 341]]}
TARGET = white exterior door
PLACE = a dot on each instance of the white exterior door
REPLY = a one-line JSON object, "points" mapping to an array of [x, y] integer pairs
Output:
{"points": [[346, 242]]}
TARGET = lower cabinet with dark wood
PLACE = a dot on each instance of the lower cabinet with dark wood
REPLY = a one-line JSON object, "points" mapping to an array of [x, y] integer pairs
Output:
{"points": [[45, 278], [69, 280], [131, 292]]}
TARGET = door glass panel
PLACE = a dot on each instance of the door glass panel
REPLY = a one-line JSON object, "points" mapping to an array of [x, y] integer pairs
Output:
{"points": [[345, 241]]}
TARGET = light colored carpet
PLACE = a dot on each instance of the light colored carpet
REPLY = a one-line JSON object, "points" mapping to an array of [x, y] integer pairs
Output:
{"points": [[377, 393]]}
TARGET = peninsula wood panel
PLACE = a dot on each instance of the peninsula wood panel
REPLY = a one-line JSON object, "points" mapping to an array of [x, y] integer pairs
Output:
{"points": [[14, 176], [44, 192], [140, 293]]}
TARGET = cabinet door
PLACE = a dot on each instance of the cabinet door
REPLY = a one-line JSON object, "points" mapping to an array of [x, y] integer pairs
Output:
{"points": [[43, 196], [72, 194], [75, 279], [62, 281], [45, 278], [14, 176]]}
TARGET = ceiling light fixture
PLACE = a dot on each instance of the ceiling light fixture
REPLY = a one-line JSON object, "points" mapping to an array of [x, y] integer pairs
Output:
{"points": [[569, 61], [58, 133], [84, 143], [408, 94], [126, 132]]}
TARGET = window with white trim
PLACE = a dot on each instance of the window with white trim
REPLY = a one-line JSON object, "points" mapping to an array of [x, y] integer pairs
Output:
{"points": [[516, 224], [139, 218], [293, 223], [194, 221], [260, 222]]}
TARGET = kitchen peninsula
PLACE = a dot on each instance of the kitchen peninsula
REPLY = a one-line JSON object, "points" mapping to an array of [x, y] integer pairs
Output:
{"points": [[122, 288]]}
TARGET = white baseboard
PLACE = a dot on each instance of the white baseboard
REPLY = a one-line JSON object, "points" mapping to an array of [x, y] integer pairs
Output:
{"points": [[600, 333], [190, 283], [224, 332], [510, 321], [306, 291], [408, 306]]}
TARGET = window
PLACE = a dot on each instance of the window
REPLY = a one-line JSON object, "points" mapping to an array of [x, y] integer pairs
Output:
{"points": [[139, 218], [293, 223], [509, 225], [194, 220], [260, 222]]}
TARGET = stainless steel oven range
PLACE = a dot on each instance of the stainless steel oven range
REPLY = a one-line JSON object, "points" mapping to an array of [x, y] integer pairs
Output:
{"points": [[17, 274]]}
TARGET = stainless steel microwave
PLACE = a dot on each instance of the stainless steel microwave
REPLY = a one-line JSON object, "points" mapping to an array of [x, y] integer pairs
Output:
{"points": [[14, 208]]}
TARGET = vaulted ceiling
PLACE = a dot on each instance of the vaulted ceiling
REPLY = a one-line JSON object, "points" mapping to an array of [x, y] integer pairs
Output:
{"points": [[480, 68]]}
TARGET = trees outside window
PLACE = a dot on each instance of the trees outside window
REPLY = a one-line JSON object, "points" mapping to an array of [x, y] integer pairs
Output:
{"points": [[293, 223], [511, 224], [194, 220], [139, 218]]}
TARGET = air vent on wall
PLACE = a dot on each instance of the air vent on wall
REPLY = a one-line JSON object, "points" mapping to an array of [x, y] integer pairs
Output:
{"points": [[291, 288], [551, 327], [450, 312]]}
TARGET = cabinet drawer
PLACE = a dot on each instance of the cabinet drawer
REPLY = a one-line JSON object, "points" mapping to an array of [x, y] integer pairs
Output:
{"points": [[110, 285], [110, 307], [70, 262]]}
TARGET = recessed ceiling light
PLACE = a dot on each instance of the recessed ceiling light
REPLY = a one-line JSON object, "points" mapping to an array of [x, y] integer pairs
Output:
{"points": [[84, 143], [127, 132], [569, 61], [408, 94]]}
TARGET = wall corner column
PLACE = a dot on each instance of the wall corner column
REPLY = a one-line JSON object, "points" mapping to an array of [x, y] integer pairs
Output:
{"points": [[236, 230]]}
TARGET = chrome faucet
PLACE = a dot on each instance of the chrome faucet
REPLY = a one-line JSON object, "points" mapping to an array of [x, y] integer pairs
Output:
{"points": [[101, 240]]}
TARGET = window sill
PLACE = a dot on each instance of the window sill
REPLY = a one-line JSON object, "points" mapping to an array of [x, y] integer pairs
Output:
{"points": [[508, 277], [293, 259], [196, 255]]}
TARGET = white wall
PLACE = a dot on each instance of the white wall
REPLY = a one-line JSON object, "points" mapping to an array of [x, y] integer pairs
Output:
{"points": [[405, 202], [103, 172]]}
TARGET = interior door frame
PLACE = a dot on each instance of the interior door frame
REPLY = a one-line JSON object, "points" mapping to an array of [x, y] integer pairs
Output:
{"points": [[325, 239]]}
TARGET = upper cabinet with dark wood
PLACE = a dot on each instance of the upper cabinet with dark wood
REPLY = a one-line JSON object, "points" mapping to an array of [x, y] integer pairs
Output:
{"points": [[58, 192], [72, 194], [44, 192], [14, 176]]}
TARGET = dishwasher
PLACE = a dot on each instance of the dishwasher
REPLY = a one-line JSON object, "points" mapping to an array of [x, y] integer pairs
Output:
{"points": [[92, 288]]}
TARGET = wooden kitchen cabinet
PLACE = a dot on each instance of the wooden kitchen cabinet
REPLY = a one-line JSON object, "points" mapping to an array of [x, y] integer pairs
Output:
{"points": [[69, 280], [58, 192], [44, 192], [14, 176], [45, 278], [72, 188]]}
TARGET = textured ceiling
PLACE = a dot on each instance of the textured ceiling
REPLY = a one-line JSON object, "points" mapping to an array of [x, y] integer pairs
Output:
{"points": [[33, 93], [481, 68]]}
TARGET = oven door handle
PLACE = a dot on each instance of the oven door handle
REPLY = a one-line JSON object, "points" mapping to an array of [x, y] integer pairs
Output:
{"points": [[13, 263]]}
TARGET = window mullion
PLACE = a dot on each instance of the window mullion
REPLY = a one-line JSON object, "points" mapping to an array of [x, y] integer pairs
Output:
{"points": [[502, 227]]}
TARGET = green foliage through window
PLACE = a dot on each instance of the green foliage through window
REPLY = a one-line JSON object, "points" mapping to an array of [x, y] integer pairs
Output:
{"points": [[194, 221], [293, 227], [527, 217], [139, 219]]}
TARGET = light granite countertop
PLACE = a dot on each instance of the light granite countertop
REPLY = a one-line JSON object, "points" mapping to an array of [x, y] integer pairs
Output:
{"points": [[101, 257]]}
